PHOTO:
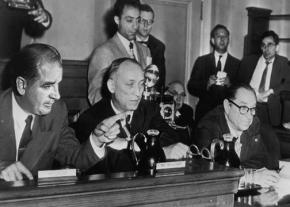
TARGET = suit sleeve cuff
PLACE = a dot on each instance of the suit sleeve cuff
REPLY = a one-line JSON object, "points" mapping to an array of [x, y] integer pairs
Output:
{"points": [[99, 151]]}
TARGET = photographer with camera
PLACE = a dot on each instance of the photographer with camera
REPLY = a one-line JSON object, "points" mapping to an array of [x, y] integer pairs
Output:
{"points": [[181, 118], [16, 15]]}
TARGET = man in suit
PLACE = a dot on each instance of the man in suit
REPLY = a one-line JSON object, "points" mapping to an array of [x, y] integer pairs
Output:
{"points": [[213, 73], [13, 21], [33, 121], [268, 74], [125, 82], [157, 48], [183, 117], [237, 117], [122, 44]]}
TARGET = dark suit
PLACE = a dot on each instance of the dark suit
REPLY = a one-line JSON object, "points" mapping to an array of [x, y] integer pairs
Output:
{"points": [[102, 58], [12, 23], [157, 49], [279, 81], [146, 116], [203, 68], [51, 139], [254, 153], [185, 119]]}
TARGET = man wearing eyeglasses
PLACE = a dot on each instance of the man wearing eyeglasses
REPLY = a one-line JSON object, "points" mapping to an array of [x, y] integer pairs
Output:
{"points": [[268, 74], [122, 44], [157, 48], [237, 117]]}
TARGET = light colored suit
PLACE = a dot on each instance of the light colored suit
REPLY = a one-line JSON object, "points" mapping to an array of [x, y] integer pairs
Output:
{"points": [[51, 139], [102, 58]]}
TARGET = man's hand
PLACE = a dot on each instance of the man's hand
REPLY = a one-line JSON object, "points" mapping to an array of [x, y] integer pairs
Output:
{"points": [[15, 172], [262, 96], [225, 81], [175, 151], [211, 81], [40, 14], [107, 130], [265, 177], [121, 143]]}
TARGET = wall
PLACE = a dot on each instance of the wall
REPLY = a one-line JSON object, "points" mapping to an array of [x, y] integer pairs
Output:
{"points": [[233, 14]]}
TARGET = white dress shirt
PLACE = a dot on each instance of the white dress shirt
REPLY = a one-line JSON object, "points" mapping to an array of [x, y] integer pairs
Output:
{"points": [[126, 43], [223, 59], [19, 116], [257, 75]]}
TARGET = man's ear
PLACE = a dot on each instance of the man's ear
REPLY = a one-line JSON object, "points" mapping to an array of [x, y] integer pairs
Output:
{"points": [[21, 85], [277, 48], [111, 85], [212, 41], [117, 20], [226, 104]]}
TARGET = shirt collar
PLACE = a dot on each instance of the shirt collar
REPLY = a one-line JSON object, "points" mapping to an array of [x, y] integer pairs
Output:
{"points": [[139, 39], [124, 41], [18, 111], [264, 60], [118, 112], [217, 55]]}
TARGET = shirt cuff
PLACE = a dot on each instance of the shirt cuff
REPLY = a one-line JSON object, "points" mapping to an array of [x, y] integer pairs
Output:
{"points": [[99, 151]]}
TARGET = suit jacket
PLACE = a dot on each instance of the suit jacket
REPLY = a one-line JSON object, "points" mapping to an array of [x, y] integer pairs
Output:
{"points": [[12, 23], [279, 81], [254, 153], [157, 49], [51, 139], [102, 58], [146, 116], [203, 68]]}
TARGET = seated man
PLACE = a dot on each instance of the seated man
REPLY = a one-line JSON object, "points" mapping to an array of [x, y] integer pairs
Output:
{"points": [[125, 83], [183, 117], [34, 129], [237, 117]]}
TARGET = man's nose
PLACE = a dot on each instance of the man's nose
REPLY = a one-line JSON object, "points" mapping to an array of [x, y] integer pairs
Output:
{"points": [[55, 93]]}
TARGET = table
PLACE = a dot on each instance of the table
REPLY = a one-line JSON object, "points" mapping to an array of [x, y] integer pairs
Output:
{"points": [[201, 183]]}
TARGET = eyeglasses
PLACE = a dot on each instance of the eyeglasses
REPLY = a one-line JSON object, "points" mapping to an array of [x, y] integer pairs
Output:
{"points": [[175, 93], [193, 151], [244, 109], [270, 45], [146, 22]]}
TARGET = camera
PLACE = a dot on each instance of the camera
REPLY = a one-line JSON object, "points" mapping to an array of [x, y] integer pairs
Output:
{"points": [[167, 108], [21, 4]]}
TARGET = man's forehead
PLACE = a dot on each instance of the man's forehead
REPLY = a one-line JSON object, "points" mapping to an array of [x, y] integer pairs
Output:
{"points": [[245, 96], [129, 11], [221, 31], [50, 71], [128, 69], [176, 87], [147, 14], [268, 39]]}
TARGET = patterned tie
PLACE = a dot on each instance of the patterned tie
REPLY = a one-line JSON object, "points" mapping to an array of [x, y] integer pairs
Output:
{"points": [[263, 79], [131, 46], [219, 64], [26, 137]]}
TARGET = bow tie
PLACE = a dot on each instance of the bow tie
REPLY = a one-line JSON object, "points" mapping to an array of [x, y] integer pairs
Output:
{"points": [[143, 42]]}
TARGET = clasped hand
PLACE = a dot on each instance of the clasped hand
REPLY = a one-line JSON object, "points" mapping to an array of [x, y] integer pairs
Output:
{"points": [[40, 14]]}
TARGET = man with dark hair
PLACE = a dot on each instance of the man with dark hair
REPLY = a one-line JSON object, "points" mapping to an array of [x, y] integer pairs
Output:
{"points": [[268, 74], [157, 48], [237, 117], [34, 127], [213, 73], [122, 44], [125, 82], [12, 22]]}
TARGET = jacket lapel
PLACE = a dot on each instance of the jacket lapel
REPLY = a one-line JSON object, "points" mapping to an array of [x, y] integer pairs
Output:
{"points": [[120, 46], [7, 136], [275, 75]]}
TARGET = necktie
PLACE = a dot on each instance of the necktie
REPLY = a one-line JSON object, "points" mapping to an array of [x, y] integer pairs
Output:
{"points": [[219, 64], [128, 122], [144, 42], [131, 46], [263, 79], [26, 137]]}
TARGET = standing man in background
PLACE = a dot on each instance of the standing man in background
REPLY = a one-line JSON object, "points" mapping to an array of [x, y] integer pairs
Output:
{"points": [[213, 73], [268, 74], [13, 21], [157, 48], [122, 44]]}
